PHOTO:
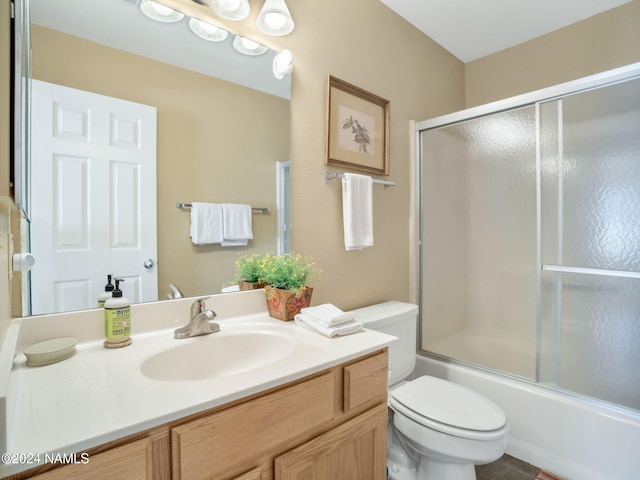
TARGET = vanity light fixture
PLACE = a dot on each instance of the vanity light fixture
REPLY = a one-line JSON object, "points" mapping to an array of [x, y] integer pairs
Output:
{"points": [[207, 31], [282, 64], [230, 9], [248, 47], [274, 18], [159, 12]]}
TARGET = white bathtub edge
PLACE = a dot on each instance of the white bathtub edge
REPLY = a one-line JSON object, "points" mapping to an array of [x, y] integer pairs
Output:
{"points": [[559, 433]]}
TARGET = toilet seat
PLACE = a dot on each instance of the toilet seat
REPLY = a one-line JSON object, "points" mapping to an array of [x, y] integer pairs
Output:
{"points": [[449, 408]]}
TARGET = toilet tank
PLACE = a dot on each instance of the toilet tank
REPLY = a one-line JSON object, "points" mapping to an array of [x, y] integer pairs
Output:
{"points": [[397, 319]]}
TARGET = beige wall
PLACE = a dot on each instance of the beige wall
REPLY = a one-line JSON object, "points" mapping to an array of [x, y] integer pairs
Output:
{"points": [[370, 46], [217, 142], [364, 43], [602, 42]]}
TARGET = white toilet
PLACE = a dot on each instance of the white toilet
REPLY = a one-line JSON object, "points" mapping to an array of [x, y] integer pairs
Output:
{"points": [[438, 430]]}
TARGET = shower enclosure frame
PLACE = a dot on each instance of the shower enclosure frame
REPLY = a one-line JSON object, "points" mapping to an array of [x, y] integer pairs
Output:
{"points": [[532, 99]]}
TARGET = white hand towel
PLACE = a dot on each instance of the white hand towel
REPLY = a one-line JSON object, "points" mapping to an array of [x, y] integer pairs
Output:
{"points": [[357, 211], [206, 223], [237, 224], [343, 329], [328, 314]]}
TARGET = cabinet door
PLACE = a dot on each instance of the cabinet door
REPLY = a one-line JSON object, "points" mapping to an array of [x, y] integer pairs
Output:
{"points": [[251, 475], [127, 462], [355, 450]]}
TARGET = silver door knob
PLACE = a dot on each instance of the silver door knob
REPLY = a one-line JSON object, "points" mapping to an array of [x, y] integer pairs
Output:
{"points": [[148, 263]]}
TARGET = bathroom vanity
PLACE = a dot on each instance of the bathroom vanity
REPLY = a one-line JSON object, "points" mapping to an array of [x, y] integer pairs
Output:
{"points": [[318, 423], [318, 411]]}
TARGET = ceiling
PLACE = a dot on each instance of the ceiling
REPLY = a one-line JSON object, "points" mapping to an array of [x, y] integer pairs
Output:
{"points": [[471, 29]]}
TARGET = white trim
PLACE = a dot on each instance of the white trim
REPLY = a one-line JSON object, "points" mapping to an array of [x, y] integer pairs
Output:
{"points": [[415, 214], [591, 271], [572, 87], [282, 200]]}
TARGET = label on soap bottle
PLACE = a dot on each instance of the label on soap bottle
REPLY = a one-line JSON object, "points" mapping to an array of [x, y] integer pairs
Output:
{"points": [[117, 323]]}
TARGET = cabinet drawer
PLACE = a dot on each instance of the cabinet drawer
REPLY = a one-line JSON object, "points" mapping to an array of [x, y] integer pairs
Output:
{"points": [[211, 445], [365, 381]]}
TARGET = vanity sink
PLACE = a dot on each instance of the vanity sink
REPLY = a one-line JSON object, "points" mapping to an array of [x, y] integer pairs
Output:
{"points": [[219, 355]]}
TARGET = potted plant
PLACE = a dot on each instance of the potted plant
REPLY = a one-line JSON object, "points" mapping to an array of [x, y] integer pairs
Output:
{"points": [[285, 278], [248, 269]]}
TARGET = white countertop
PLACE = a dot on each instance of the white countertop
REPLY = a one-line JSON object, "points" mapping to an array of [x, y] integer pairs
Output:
{"points": [[100, 394]]}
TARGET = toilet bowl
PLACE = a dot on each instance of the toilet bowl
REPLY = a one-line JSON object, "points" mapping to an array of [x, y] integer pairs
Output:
{"points": [[445, 428], [438, 430]]}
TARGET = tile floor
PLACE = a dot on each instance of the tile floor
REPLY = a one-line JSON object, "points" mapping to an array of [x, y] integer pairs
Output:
{"points": [[507, 468]]}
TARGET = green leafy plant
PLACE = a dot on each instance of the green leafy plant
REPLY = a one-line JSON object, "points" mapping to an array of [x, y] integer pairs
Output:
{"points": [[249, 267], [287, 272]]}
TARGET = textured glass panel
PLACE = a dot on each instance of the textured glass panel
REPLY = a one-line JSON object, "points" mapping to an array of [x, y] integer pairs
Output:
{"points": [[590, 331], [590, 154], [552, 170], [479, 241]]}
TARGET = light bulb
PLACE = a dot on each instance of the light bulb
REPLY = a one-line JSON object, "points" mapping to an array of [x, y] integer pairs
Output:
{"points": [[207, 31], [160, 13], [248, 47], [230, 5], [249, 44], [233, 10], [161, 9], [207, 27], [282, 64], [275, 20]]}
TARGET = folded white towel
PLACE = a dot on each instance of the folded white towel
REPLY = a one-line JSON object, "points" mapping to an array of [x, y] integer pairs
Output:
{"points": [[206, 223], [237, 224], [328, 314], [345, 328], [357, 211]]}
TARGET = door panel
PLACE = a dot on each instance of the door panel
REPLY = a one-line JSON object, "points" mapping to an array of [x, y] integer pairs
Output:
{"points": [[93, 198]]}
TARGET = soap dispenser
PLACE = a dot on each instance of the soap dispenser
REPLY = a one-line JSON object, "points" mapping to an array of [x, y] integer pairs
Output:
{"points": [[108, 292], [117, 319]]}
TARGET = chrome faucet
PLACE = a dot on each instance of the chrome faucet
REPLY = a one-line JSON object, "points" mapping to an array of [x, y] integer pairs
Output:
{"points": [[200, 322], [175, 292]]}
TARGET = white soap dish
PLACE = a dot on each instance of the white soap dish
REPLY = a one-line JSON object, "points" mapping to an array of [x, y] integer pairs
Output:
{"points": [[50, 351]]}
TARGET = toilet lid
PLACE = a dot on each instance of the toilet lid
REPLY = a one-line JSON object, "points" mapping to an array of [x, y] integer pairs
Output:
{"points": [[449, 403]]}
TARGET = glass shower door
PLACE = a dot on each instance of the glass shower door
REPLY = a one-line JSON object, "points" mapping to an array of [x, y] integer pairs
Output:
{"points": [[590, 243], [479, 275]]}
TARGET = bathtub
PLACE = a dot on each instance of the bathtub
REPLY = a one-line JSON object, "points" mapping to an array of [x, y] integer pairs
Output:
{"points": [[562, 434]]}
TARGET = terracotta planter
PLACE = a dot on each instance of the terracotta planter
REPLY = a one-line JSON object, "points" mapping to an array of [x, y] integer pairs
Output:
{"points": [[250, 285], [285, 304]]}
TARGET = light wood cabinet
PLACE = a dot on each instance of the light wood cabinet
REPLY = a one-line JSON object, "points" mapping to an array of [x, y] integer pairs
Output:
{"points": [[355, 450], [252, 475], [132, 461], [329, 425], [208, 447]]}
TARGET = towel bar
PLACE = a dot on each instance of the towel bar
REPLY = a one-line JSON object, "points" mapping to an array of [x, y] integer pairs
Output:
{"points": [[253, 209], [328, 176]]}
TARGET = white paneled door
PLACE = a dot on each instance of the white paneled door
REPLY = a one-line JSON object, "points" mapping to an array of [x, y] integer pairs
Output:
{"points": [[93, 188]]}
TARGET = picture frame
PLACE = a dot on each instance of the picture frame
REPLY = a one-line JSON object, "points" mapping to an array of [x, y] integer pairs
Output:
{"points": [[357, 128]]}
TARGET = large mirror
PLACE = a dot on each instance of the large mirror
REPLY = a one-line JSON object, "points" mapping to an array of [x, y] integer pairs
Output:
{"points": [[222, 123]]}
